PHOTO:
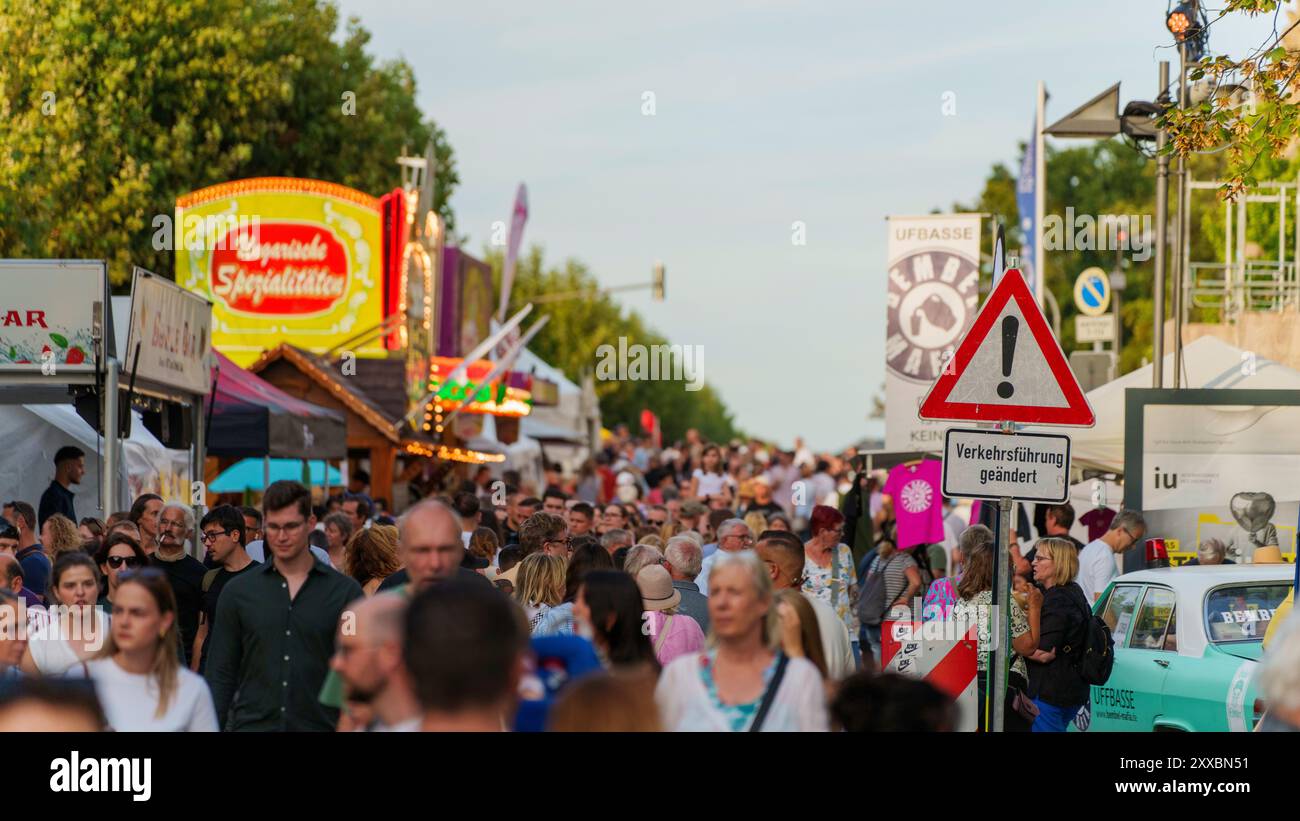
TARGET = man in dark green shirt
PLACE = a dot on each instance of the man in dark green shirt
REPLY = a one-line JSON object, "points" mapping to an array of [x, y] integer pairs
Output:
{"points": [[275, 627]]}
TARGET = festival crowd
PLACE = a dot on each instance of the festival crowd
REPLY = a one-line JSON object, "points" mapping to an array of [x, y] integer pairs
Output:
{"points": [[699, 587]]}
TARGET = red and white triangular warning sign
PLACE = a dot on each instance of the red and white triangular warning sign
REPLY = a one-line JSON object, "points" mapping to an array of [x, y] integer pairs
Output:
{"points": [[1009, 368]]}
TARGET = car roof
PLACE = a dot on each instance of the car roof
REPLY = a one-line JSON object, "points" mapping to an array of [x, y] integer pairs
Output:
{"points": [[1191, 584], [1199, 577]]}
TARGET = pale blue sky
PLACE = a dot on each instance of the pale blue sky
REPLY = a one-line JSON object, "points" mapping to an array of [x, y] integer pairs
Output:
{"points": [[767, 112]]}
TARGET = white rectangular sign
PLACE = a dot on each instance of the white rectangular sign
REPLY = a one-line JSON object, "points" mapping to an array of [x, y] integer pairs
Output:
{"points": [[172, 328], [1094, 328], [987, 464], [47, 314], [932, 296]]}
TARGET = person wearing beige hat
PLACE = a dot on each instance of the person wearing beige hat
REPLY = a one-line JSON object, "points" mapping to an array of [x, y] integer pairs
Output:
{"points": [[671, 633]]}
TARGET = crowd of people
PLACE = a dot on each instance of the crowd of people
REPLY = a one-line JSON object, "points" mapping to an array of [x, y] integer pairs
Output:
{"points": [[697, 587]]}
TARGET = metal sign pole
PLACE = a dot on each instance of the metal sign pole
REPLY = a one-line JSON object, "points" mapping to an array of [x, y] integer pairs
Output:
{"points": [[1000, 619], [108, 481], [997, 623]]}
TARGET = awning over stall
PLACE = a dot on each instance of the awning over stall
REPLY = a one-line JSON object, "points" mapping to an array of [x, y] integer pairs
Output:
{"points": [[252, 417]]}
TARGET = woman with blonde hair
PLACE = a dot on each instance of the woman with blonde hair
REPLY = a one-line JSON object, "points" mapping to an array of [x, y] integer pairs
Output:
{"points": [[371, 557], [59, 535], [1060, 620], [138, 675], [756, 521], [669, 530], [743, 683], [540, 586]]}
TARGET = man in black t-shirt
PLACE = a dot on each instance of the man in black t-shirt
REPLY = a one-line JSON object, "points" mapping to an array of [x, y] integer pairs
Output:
{"points": [[175, 524], [1057, 522], [223, 533]]}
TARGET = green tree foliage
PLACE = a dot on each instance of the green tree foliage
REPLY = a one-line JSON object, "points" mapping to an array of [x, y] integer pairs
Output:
{"points": [[578, 327], [110, 109]]}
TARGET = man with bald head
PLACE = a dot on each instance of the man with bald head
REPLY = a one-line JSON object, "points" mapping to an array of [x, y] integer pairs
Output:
{"points": [[431, 551], [368, 660], [430, 548], [783, 555]]}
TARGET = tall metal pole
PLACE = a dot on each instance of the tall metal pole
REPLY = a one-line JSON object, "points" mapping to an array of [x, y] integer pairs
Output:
{"points": [[1181, 228], [108, 481], [1162, 218], [1000, 622], [1040, 200]]}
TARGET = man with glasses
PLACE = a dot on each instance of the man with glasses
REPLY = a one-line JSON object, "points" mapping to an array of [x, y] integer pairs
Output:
{"points": [[733, 536], [613, 518], [544, 533], [175, 524], [274, 632], [1097, 559], [222, 532], [657, 516]]}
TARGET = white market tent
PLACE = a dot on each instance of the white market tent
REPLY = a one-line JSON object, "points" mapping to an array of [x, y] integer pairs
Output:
{"points": [[1208, 362]]}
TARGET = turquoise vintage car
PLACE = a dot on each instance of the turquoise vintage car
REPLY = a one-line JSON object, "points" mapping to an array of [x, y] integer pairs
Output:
{"points": [[1187, 642]]}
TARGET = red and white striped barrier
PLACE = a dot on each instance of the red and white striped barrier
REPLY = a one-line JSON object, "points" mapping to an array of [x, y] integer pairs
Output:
{"points": [[948, 664]]}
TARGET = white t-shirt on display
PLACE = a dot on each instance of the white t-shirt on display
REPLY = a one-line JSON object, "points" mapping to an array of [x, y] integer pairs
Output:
{"points": [[1096, 568], [130, 700]]}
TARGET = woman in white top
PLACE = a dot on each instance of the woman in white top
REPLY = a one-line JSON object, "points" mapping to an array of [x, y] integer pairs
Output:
{"points": [[709, 479], [75, 629], [138, 676], [727, 688]]}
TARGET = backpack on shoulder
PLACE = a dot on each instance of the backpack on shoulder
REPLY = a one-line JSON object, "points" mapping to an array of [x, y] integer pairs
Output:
{"points": [[1096, 658]]}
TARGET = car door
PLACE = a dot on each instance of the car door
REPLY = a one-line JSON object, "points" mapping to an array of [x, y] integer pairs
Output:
{"points": [[1152, 653], [1113, 704]]}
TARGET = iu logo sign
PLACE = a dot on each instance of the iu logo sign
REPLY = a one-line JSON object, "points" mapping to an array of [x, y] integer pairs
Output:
{"points": [[280, 268], [932, 300]]}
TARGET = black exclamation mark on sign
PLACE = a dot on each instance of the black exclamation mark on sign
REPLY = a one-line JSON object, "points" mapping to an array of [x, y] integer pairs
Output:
{"points": [[1010, 328]]}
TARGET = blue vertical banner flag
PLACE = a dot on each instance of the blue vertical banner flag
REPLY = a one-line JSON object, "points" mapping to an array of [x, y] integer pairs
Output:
{"points": [[1026, 204]]}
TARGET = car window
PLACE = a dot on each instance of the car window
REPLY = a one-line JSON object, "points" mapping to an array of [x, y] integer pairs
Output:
{"points": [[1242, 612], [1171, 635], [1153, 619], [1118, 613]]}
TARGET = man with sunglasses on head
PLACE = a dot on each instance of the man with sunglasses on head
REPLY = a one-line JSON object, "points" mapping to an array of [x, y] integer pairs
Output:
{"points": [[275, 626], [222, 530]]}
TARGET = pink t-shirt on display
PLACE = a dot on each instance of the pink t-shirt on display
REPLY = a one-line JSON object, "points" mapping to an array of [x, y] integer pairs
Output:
{"points": [[918, 507]]}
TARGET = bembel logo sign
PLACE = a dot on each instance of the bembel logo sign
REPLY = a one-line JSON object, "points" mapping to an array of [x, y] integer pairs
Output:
{"points": [[128, 775]]}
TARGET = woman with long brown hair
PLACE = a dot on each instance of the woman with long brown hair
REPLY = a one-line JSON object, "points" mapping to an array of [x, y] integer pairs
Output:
{"points": [[371, 557], [74, 631], [138, 675], [973, 609], [800, 635]]}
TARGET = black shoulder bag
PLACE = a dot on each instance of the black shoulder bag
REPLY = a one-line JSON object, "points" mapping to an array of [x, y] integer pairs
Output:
{"points": [[770, 695]]}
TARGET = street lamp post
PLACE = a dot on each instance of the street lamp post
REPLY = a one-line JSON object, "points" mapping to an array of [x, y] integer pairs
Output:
{"points": [[1162, 217]]}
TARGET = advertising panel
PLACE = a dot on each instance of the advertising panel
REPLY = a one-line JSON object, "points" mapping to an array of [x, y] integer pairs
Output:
{"points": [[170, 328], [932, 298], [1221, 471], [283, 260], [47, 315]]}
